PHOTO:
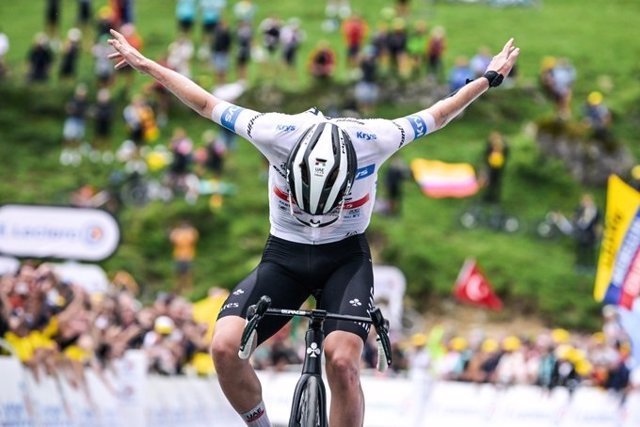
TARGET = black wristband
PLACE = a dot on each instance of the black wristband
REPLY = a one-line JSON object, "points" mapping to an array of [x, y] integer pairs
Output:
{"points": [[494, 78]]}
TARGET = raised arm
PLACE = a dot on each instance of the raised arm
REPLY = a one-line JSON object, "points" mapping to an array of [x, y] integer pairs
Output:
{"points": [[192, 95], [445, 110]]}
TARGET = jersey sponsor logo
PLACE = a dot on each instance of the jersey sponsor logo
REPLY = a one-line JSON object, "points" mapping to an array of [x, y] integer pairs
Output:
{"points": [[254, 415], [319, 167], [366, 136], [418, 124], [365, 171], [285, 128], [230, 116], [353, 213], [230, 305]]}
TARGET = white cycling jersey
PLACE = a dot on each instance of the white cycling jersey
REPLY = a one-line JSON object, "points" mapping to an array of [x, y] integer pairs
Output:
{"points": [[275, 134]]}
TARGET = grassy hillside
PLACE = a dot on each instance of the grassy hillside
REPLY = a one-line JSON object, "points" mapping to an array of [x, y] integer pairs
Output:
{"points": [[533, 276]]}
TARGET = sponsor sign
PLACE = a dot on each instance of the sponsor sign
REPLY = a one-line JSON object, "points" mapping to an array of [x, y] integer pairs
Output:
{"points": [[57, 232]]}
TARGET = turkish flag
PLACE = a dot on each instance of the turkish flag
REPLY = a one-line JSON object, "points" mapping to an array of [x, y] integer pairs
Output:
{"points": [[473, 287]]}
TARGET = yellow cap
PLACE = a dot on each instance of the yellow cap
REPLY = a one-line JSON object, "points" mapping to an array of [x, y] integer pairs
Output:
{"points": [[594, 98], [419, 339], [560, 336], [490, 345], [458, 343], [511, 343]]}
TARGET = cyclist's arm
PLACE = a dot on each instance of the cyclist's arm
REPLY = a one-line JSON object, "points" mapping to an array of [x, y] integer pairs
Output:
{"points": [[192, 95], [445, 110]]}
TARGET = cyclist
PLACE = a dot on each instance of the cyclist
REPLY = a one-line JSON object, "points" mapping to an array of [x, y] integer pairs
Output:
{"points": [[322, 177]]}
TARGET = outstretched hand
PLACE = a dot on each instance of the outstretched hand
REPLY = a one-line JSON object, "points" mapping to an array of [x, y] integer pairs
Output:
{"points": [[125, 54], [504, 61]]}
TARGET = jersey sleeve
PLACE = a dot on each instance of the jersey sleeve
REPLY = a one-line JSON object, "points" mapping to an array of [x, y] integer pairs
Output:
{"points": [[391, 135], [416, 125], [273, 134]]}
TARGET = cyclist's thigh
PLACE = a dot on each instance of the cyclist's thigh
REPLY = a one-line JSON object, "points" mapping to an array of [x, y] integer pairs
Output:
{"points": [[267, 279], [349, 290]]}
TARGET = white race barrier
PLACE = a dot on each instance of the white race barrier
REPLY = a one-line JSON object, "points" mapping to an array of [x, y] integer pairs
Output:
{"points": [[129, 397]]}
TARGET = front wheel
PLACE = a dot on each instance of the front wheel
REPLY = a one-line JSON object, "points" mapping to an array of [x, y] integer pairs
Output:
{"points": [[308, 409]]}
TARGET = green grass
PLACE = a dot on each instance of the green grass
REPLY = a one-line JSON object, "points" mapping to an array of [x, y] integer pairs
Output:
{"points": [[534, 277]]}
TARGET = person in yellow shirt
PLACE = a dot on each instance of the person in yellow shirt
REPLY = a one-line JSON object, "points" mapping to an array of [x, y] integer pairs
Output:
{"points": [[184, 238]]}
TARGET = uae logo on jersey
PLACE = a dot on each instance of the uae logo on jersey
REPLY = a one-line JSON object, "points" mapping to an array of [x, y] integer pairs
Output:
{"points": [[319, 167]]}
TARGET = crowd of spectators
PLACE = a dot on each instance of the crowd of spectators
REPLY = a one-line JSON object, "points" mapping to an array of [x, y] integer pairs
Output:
{"points": [[57, 327]]}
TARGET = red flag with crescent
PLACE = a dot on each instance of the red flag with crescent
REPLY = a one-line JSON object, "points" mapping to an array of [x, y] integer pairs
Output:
{"points": [[473, 287]]}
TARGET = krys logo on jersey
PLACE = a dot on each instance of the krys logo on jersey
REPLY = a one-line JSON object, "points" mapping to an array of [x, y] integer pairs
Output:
{"points": [[230, 116], [366, 136], [419, 125]]}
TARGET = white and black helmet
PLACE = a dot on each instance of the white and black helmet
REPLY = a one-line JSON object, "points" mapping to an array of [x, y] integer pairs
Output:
{"points": [[321, 169]]}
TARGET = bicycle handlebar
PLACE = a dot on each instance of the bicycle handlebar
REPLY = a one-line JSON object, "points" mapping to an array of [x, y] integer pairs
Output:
{"points": [[257, 311]]}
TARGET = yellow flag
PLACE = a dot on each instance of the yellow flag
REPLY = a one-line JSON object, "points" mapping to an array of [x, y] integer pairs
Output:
{"points": [[623, 203]]}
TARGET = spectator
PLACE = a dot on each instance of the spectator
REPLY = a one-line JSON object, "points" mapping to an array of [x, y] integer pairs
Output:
{"points": [[103, 67], [84, 15], [40, 58], [210, 14], [221, 49], [435, 52], [291, 36], [480, 61], [244, 11], [70, 54], [52, 19], [216, 151], [140, 120], [397, 45], [558, 77], [186, 11], [104, 21], [75, 122], [366, 90], [598, 117], [586, 224], [103, 113], [402, 7], [270, 28], [460, 74], [322, 61], [182, 153], [244, 36], [184, 238], [380, 43], [354, 32], [495, 159], [396, 174], [180, 53]]}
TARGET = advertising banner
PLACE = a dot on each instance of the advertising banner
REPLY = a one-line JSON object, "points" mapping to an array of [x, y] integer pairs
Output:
{"points": [[35, 231]]}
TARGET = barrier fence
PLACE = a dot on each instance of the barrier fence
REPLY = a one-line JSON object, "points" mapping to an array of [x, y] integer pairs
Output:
{"points": [[129, 397]]}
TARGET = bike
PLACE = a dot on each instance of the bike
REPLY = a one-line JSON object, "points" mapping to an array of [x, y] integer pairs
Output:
{"points": [[492, 217], [309, 406]]}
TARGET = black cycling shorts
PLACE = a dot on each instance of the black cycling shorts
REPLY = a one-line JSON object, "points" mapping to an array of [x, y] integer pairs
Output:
{"points": [[291, 272]]}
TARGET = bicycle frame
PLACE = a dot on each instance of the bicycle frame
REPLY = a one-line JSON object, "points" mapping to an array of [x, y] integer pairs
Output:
{"points": [[312, 364]]}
